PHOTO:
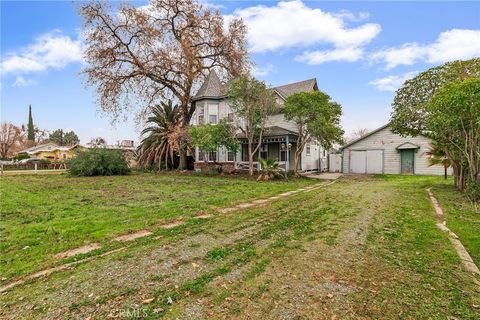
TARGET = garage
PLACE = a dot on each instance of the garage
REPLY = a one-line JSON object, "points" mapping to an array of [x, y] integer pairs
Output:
{"points": [[366, 161]]}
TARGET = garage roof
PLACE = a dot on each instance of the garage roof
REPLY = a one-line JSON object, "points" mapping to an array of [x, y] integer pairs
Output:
{"points": [[365, 136]]}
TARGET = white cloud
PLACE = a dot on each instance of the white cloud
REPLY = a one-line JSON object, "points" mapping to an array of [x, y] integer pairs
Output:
{"points": [[455, 44], [293, 24], [392, 82], [22, 82], [51, 50], [350, 16], [350, 54], [262, 71]]}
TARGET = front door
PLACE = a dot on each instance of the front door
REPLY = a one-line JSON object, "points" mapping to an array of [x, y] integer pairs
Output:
{"points": [[407, 157]]}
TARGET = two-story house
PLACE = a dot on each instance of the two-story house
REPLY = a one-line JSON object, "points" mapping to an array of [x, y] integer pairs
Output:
{"points": [[279, 142]]}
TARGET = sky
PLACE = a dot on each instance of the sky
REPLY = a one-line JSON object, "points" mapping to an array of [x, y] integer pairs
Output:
{"points": [[359, 52]]}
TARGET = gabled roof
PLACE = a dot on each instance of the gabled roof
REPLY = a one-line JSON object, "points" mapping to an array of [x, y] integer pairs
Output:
{"points": [[407, 145], [211, 88], [367, 135], [302, 86], [45, 147]]}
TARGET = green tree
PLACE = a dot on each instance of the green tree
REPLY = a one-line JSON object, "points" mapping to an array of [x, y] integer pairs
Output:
{"points": [[454, 123], [317, 118], [64, 138], [411, 100], [209, 137], [30, 127], [161, 136], [252, 103], [70, 138], [412, 111]]}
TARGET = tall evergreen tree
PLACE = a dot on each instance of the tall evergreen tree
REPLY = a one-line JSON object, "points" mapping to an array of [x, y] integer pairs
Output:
{"points": [[30, 128]]}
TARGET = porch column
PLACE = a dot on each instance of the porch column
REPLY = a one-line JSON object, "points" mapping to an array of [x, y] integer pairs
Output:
{"points": [[287, 165]]}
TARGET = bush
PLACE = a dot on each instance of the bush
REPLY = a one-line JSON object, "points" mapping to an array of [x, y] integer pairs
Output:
{"points": [[22, 156], [98, 162], [472, 189]]}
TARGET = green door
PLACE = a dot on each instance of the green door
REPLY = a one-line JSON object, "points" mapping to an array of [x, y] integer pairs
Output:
{"points": [[407, 157]]}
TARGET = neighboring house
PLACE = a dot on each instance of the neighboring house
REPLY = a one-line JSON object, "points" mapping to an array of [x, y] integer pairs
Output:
{"points": [[50, 151], [382, 151], [279, 142]]}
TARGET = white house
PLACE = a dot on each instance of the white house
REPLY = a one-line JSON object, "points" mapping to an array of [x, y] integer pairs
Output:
{"points": [[382, 151], [279, 140]]}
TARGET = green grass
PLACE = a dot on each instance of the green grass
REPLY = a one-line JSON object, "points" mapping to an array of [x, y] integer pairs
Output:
{"points": [[371, 242], [44, 215], [460, 217]]}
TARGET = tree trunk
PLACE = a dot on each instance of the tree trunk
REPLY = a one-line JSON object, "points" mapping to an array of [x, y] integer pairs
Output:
{"points": [[445, 173], [183, 158], [250, 159], [295, 163]]}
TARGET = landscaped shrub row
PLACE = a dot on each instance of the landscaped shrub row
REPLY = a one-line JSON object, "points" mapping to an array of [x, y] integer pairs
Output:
{"points": [[99, 162]]}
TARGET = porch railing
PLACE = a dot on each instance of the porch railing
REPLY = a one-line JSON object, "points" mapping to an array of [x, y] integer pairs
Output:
{"points": [[243, 165]]}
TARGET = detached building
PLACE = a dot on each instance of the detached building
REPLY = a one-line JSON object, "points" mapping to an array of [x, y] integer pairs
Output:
{"points": [[382, 151]]}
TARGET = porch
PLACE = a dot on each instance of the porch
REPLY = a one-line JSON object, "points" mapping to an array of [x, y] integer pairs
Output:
{"points": [[279, 145]]}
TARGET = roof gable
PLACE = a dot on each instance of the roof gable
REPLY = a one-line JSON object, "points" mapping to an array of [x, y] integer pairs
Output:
{"points": [[212, 87], [287, 90]]}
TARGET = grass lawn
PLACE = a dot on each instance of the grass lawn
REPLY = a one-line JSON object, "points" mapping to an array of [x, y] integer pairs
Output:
{"points": [[47, 214], [362, 248]]}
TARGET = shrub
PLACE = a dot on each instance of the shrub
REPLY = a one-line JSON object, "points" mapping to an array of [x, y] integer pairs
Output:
{"points": [[472, 189], [98, 162], [22, 156], [270, 170]]}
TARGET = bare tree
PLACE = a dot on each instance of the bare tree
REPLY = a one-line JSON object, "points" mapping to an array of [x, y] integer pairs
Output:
{"points": [[357, 134], [163, 50], [97, 142], [10, 136]]}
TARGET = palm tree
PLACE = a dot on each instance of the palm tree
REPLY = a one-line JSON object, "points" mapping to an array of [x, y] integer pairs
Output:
{"points": [[160, 142], [269, 170], [437, 156]]}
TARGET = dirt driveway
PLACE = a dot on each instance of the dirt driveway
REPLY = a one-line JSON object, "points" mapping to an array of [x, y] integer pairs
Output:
{"points": [[357, 249]]}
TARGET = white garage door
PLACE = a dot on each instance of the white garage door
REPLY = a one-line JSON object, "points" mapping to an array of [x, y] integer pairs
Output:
{"points": [[374, 161], [358, 161], [369, 161]]}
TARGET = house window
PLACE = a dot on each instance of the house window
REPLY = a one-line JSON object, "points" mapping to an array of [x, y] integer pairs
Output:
{"points": [[213, 113], [264, 151], [230, 156], [212, 156], [283, 155], [201, 115], [230, 117], [308, 149], [201, 156]]}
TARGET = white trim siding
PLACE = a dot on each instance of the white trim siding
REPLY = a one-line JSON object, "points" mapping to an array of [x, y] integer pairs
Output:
{"points": [[387, 141]]}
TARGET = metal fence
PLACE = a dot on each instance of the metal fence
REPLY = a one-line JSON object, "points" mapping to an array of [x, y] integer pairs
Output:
{"points": [[32, 166]]}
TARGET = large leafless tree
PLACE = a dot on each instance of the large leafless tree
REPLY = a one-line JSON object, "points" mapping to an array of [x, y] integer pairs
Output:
{"points": [[137, 56], [10, 138]]}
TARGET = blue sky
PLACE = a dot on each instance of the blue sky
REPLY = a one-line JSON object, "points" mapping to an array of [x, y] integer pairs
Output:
{"points": [[360, 52]]}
